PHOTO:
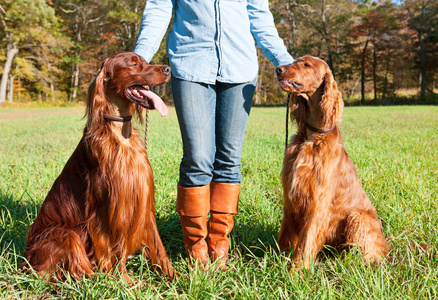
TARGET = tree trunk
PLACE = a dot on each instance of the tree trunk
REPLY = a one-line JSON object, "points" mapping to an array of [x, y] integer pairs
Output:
{"points": [[12, 50], [362, 76], [422, 41], [375, 71], [330, 56], [422, 53], [385, 81], [257, 99], [52, 90], [51, 83], [291, 17], [353, 90], [18, 84], [11, 88], [75, 81], [19, 89]]}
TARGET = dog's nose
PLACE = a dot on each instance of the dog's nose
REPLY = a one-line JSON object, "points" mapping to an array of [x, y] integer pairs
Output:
{"points": [[166, 70], [280, 70]]}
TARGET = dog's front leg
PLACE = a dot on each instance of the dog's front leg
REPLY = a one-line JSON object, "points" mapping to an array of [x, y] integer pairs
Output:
{"points": [[153, 248], [311, 239], [123, 271], [288, 236], [364, 230]]}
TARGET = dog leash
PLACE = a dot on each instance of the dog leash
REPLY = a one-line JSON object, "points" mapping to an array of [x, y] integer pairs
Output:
{"points": [[146, 129], [287, 119]]}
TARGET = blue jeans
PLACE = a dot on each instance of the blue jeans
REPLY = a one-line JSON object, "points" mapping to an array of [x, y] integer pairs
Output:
{"points": [[212, 119]]}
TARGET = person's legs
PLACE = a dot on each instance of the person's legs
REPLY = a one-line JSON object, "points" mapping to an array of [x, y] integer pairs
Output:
{"points": [[233, 106], [195, 105], [195, 108], [232, 111]]}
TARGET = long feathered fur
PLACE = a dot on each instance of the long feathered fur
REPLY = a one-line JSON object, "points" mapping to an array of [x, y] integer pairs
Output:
{"points": [[324, 202], [101, 208]]}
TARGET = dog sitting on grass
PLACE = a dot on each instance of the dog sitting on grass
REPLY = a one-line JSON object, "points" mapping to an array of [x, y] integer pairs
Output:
{"points": [[324, 202], [101, 208]]}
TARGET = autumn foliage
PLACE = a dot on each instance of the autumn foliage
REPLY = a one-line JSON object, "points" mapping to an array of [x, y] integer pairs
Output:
{"points": [[377, 50]]}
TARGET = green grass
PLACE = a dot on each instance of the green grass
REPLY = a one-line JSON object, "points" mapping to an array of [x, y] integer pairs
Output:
{"points": [[395, 150]]}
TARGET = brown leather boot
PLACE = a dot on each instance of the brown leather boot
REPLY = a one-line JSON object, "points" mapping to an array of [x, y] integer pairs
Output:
{"points": [[193, 205], [223, 206]]}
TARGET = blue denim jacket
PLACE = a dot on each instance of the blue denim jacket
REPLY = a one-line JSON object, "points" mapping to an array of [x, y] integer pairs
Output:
{"points": [[212, 40]]}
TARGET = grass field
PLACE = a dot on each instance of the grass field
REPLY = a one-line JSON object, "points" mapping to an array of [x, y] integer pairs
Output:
{"points": [[395, 150]]}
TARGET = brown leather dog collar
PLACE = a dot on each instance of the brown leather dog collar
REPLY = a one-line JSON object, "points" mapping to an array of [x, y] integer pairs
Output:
{"points": [[318, 129], [117, 119]]}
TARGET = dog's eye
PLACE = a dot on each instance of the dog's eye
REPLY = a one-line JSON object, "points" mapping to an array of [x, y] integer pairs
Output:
{"points": [[306, 65], [134, 64]]}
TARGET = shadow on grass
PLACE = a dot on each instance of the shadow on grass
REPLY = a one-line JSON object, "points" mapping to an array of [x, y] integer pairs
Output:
{"points": [[169, 227], [248, 238], [16, 215], [254, 239]]}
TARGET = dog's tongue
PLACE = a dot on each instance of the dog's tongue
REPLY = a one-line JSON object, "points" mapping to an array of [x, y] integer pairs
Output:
{"points": [[156, 100]]}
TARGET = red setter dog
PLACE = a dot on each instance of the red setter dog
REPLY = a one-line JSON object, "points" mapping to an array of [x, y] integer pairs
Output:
{"points": [[324, 202], [102, 207]]}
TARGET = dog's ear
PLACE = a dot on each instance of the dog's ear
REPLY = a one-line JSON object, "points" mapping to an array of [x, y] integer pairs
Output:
{"points": [[298, 105], [331, 101], [96, 101]]}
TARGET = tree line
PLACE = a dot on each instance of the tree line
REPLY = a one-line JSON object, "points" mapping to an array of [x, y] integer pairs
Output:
{"points": [[51, 49]]}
